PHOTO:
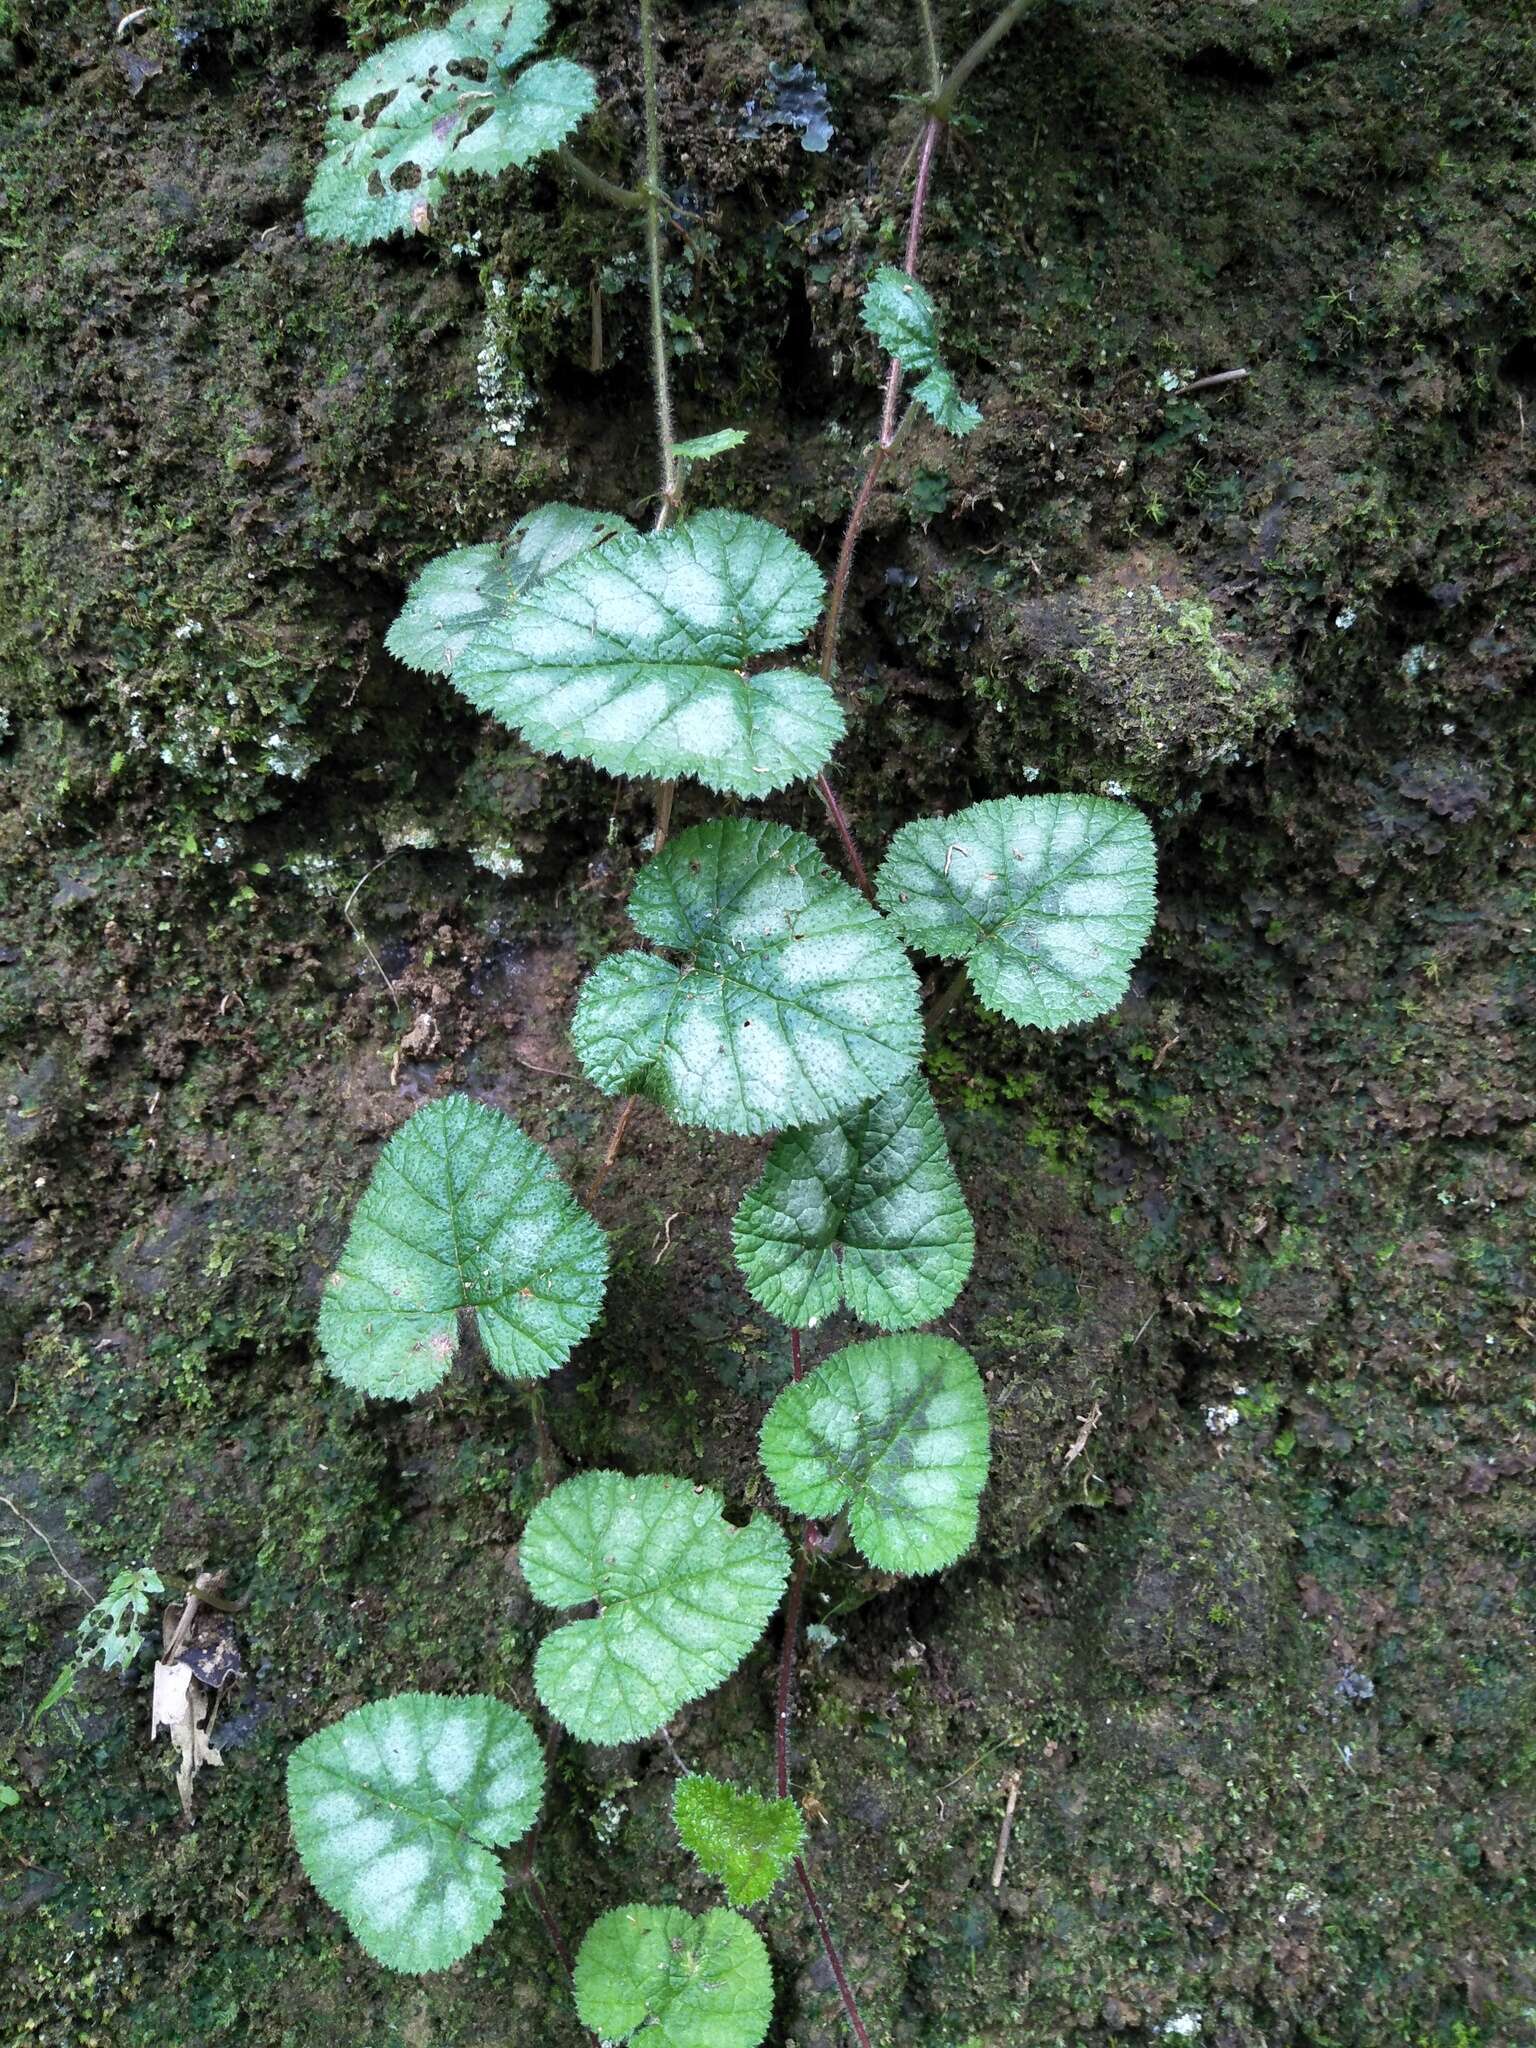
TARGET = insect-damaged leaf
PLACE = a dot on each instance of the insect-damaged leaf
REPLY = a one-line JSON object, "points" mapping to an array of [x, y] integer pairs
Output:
{"points": [[463, 1212], [682, 1596], [457, 594], [396, 1810], [745, 1841], [657, 1974], [793, 1001], [901, 316], [447, 101], [1047, 899], [865, 1210], [639, 656], [895, 1431]]}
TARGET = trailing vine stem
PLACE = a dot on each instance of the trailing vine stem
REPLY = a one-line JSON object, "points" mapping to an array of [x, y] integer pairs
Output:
{"points": [[943, 95]]}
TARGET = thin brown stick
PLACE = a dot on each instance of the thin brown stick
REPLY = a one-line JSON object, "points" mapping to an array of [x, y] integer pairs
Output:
{"points": [[942, 1003], [796, 1367], [615, 1144], [665, 791], [27, 1522]]}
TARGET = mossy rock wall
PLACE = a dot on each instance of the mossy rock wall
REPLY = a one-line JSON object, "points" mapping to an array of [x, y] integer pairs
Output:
{"points": [[1247, 1635]]}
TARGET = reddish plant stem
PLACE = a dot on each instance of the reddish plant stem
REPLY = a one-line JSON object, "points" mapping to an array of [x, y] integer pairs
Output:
{"points": [[615, 1143], [845, 1990], [787, 1657], [796, 1368], [839, 818], [551, 1924]]}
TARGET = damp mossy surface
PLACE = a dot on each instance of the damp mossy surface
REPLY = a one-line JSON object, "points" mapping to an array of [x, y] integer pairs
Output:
{"points": [[1247, 1636]]}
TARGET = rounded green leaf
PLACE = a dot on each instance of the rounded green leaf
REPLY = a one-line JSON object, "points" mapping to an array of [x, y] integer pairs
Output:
{"points": [[673, 1980], [682, 1597], [901, 315], [745, 1841], [895, 1431], [1047, 899], [459, 593], [396, 1810], [639, 657], [441, 102], [464, 1211], [793, 1000], [865, 1210]]}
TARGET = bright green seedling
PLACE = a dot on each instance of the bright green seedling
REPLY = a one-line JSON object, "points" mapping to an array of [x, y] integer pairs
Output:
{"points": [[639, 656], [657, 1975], [449, 101], [682, 1595], [901, 316], [459, 593], [397, 1810], [1047, 899], [793, 1001], [110, 1634], [895, 1432], [464, 1211], [865, 1211], [745, 1841]]}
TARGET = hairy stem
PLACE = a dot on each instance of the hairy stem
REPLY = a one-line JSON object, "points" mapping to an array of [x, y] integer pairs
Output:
{"points": [[541, 1906], [599, 186], [792, 1605], [835, 1961], [839, 818], [654, 201], [949, 91]]}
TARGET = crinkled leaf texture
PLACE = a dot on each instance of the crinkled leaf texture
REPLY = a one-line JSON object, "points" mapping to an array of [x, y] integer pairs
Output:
{"points": [[1047, 899], [794, 1001], [638, 656], [682, 1597], [705, 447], [464, 1211], [745, 1841], [457, 594], [396, 1810], [895, 1431], [657, 1975], [442, 102], [901, 316], [865, 1210]]}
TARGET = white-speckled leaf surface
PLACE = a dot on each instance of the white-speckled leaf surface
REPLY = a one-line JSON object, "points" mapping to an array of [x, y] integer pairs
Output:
{"points": [[792, 1001], [464, 1211], [865, 1210], [682, 1597], [639, 657], [896, 1432], [396, 1810], [1047, 899]]}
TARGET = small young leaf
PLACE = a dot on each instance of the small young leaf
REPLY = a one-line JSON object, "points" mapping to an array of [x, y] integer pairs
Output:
{"points": [[674, 1981], [894, 1431], [794, 1001], [638, 656], [682, 1597], [705, 447], [745, 1841], [463, 1212], [441, 102], [396, 1810], [457, 593], [1047, 899], [866, 1210], [901, 316]]}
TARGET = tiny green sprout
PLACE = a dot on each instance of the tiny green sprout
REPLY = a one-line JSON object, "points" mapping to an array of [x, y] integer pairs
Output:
{"points": [[745, 1841], [397, 1811], [463, 1212], [705, 447], [446, 102], [657, 1975], [111, 1634]]}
